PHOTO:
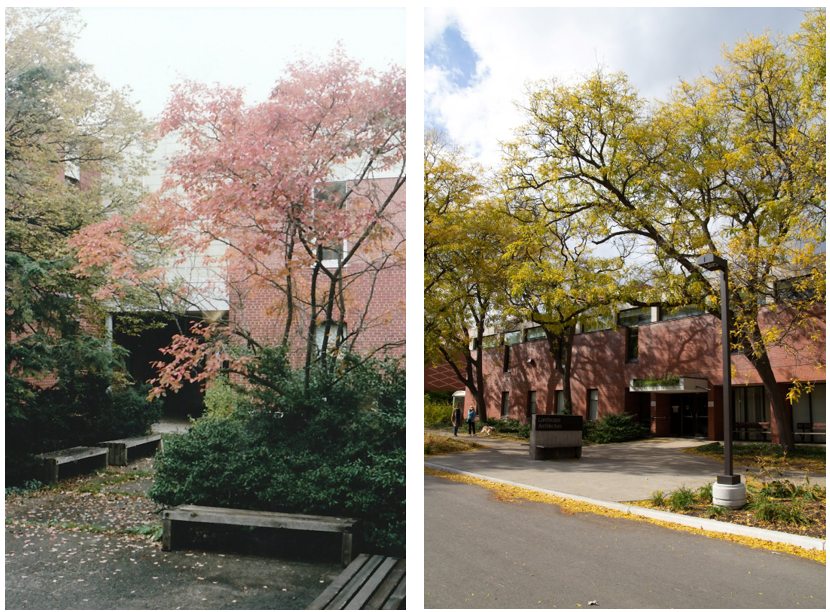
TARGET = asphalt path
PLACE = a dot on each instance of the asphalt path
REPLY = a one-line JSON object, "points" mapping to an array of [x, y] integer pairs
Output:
{"points": [[480, 552]]}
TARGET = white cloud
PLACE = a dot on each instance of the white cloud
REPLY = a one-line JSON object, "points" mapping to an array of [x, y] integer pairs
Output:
{"points": [[653, 46]]}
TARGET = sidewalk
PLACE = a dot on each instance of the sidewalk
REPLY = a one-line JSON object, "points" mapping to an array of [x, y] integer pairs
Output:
{"points": [[612, 473]]}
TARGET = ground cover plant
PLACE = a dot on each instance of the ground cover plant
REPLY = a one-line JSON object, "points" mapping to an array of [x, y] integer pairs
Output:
{"points": [[766, 455], [335, 447], [437, 444], [779, 505]]}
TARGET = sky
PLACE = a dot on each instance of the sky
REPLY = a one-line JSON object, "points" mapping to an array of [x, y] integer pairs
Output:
{"points": [[476, 62], [150, 49]]}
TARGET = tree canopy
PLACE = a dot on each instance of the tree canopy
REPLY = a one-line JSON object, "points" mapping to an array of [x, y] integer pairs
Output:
{"points": [[281, 201], [732, 164]]}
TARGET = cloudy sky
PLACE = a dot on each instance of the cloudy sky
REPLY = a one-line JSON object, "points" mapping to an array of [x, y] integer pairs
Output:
{"points": [[477, 61], [149, 49]]}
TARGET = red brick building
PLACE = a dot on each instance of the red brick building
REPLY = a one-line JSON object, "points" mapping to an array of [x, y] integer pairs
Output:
{"points": [[646, 343]]}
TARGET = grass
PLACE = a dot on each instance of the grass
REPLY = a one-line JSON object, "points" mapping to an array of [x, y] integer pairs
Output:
{"points": [[767, 455], [436, 444]]}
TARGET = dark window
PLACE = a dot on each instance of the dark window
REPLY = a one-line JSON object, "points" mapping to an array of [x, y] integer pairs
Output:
{"points": [[506, 358], [531, 402], [535, 333], [560, 402], [505, 403], [632, 345], [794, 290], [490, 341], [593, 404]]}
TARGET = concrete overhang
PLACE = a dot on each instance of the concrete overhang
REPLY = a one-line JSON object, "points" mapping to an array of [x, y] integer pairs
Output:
{"points": [[684, 385]]}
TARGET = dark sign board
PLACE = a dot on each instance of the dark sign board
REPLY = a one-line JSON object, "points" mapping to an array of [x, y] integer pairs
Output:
{"points": [[558, 422]]}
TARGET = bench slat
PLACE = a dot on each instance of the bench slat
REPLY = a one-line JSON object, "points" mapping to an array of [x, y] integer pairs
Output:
{"points": [[259, 518], [129, 442], [331, 591], [386, 590], [358, 602], [348, 591], [73, 454], [398, 598]]}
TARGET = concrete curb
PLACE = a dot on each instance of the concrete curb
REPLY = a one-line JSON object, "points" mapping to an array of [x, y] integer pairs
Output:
{"points": [[669, 517]]}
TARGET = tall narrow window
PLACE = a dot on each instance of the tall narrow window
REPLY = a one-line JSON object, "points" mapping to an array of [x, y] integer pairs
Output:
{"points": [[506, 358], [632, 346], [505, 403], [531, 403], [560, 402], [593, 404]]}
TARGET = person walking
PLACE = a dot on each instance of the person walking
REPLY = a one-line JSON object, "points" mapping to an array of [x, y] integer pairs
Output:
{"points": [[456, 420], [471, 420]]}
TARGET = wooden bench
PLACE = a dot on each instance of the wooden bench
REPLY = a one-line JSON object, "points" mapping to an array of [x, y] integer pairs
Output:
{"points": [[812, 429], [746, 428], [88, 457], [368, 583], [259, 518], [118, 449]]}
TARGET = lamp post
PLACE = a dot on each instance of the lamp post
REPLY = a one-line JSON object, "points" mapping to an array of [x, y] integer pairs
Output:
{"points": [[728, 490]]}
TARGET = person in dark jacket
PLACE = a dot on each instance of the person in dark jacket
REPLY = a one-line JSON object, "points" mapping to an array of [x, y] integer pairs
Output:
{"points": [[456, 420]]}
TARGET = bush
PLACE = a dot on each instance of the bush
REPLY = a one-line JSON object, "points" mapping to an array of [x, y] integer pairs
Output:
{"points": [[221, 399], [333, 447], [439, 397], [509, 426], [681, 499], [613, 428], [436, 414]]}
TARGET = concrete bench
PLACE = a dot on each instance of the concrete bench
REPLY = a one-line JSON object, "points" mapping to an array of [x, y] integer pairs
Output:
{"points": [[259, 518], [118, 451], [368, 583], [79, 458]]}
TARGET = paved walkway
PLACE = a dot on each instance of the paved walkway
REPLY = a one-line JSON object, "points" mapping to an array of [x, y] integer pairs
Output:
{"points": [[608, 474]]}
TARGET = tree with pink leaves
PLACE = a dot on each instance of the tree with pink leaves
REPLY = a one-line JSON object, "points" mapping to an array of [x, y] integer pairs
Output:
{"points": [[294, 207]]}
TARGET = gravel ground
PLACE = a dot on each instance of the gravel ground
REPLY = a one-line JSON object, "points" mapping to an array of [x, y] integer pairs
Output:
{"points": [[72, 547]]}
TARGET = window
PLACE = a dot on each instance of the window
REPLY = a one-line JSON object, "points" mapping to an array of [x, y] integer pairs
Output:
{"points": [[751, 405], [337, 332], [598, 323], [506, 358], [632, 344], [490, 341], [634, 316], [593, 404], [560, 402], [505, 404], [511, 338], [679, 312], [531, 403], [808, 409], [332, 256], [794, 290], [535, 333]]}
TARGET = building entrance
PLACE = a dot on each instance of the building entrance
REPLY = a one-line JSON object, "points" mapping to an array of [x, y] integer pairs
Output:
{"points": [[689, 415]]}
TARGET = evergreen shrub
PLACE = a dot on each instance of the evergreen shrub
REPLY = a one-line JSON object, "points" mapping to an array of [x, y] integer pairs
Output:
{"points": [[614, 428], [327, 444]]}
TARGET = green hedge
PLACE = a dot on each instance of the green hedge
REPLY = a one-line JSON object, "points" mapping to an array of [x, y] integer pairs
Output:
{"points": [[436, 414], [613, 428], [335, 448]]}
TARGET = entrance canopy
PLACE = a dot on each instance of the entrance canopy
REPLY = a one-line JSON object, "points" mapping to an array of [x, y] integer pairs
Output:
{"points": [[684, 384]]}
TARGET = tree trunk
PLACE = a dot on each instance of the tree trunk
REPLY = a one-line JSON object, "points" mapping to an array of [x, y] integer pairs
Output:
{"points": [[779, 410]]}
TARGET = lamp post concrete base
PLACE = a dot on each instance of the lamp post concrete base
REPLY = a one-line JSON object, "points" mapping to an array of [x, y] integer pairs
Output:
{"points": [[729, 495]]}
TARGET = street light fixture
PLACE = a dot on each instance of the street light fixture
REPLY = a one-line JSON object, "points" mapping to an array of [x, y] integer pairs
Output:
{"points": [[728, 490]]}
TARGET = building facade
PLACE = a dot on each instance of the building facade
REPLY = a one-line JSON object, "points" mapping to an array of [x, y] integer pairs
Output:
{"points": [[650, 344]]}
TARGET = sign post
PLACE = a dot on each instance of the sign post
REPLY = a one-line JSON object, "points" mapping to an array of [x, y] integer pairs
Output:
{"points": [[555, 436]]}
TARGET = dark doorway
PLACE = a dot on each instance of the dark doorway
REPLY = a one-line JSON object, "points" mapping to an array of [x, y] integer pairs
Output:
{"points": [[143, 335], [689, 415]]}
